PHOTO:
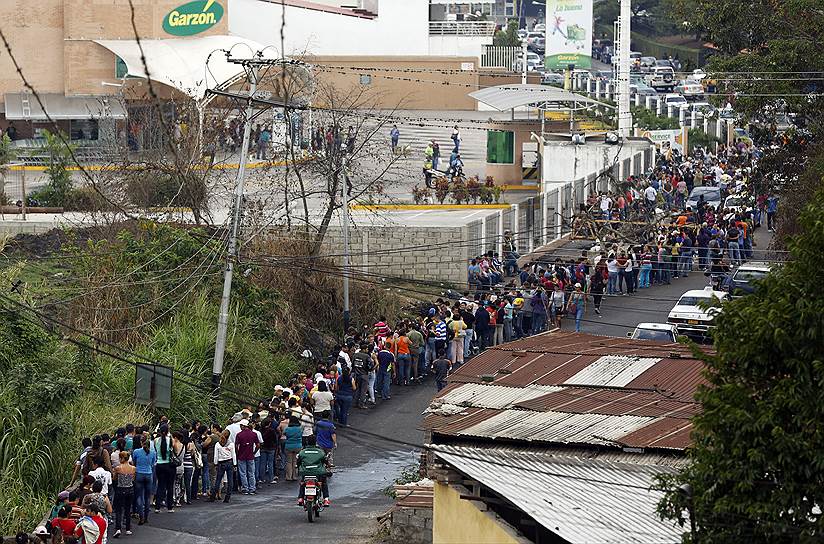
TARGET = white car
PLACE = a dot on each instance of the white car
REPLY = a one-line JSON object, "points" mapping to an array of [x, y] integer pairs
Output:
{"points": [[738, 203], [675, 100], [690, 89], [533, 35], [661, 332], [540, 27], [690, 318]]}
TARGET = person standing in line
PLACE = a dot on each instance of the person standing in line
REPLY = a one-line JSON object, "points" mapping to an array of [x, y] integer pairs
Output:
{"points": [[144, 460], [165, 470], [225, 459], [596, 286], [395, 136], [436, 155], [294, 443], [441, 367], [246, 445], [458, 328], [123, 494], [386, 361], [576, 305]]}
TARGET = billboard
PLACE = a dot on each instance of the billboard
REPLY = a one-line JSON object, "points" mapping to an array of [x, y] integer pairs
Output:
{"points": [[568, 34]]}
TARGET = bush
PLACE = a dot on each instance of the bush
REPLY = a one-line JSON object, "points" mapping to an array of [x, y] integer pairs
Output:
{"points": [[86, 199]]}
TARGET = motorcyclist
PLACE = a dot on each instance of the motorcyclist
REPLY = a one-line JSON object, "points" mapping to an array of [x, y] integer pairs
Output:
{"points": [[312, 462]]}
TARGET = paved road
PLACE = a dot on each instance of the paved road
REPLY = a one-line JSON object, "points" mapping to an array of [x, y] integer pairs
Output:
{"points": [[365, 466]]}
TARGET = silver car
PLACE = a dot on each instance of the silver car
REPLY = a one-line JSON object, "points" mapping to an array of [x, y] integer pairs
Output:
{"points": [[712, 196]]}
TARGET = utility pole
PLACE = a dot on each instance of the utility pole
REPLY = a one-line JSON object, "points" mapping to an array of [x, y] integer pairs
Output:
{"points": [[624, 34], [525, 49], [345, 227], [223, 317]]}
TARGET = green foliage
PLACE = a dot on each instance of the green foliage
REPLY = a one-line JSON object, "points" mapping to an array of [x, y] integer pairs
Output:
{"points": [[649, 120], [758, 456], [508, 37], [7, 152], [699, 138], [60, 178]]}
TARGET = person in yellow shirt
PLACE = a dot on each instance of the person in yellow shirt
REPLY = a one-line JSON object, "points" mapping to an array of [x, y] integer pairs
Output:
{"points": [[457, 328]]}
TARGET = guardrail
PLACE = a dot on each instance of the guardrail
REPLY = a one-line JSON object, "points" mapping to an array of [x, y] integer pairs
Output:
{"points": [[462, 28], [500, 56]]}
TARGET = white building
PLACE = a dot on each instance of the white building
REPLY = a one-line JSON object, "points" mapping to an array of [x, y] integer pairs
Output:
{"points": [[367, 27]]}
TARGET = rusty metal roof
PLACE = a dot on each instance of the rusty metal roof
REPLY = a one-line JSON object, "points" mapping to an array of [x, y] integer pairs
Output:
{"points": [[583, 502], [569, 388]]}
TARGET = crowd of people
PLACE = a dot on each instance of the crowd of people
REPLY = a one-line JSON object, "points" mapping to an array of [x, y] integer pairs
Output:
{"points": [[674, 239]]}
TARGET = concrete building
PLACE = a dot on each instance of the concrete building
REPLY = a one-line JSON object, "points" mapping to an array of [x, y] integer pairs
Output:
{"points": [[559, 438]]}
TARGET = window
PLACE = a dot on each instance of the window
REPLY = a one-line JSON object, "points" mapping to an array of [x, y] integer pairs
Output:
{"points": [[120, 68], [365, 79], [500, 147]]}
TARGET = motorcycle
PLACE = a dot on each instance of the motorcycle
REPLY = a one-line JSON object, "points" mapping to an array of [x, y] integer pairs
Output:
{"points": [[431, 175], [312, 497]]}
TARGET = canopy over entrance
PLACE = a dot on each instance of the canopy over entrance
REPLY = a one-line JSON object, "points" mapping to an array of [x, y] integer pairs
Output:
{"points": [[190, 65], [506, 97]]}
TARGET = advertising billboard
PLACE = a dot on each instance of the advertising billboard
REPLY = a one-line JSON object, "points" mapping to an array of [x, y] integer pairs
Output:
{"points": [[568, 34]]}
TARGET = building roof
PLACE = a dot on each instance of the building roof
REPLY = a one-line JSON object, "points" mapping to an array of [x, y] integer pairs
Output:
{"points": [[506, 97], [182, 63], [573, 389], [24, 106], [583, 502]]}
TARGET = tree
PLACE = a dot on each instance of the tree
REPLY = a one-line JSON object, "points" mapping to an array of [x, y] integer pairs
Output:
{"points": [[757, 464], [7, 155], [508, 37], [60, 179], [766, 66]]}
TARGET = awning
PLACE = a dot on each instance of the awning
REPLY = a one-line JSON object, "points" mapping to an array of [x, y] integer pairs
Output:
{"points": [[506, 97], [182, 63], [580, 500], [25, 107]]}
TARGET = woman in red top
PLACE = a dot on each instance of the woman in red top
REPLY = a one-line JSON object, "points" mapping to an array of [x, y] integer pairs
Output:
{"points": [[63, 522]]}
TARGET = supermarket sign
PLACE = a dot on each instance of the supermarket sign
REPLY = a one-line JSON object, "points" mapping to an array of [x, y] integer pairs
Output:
{"points": [[193, 18]]}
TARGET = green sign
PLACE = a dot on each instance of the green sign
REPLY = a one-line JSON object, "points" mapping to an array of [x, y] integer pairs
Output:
{"points": [[193, 18]]}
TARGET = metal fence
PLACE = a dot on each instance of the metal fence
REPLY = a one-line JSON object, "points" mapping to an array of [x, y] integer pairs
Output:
{"points": [[500, 56], [462, 28]]}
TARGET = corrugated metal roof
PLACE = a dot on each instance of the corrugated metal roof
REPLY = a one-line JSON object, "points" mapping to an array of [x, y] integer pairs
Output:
{"points": [[614, 387], [558, 427], [663, 433], [677, 377], [493, 396], [582, 400], [590, 501], [613, 370]]}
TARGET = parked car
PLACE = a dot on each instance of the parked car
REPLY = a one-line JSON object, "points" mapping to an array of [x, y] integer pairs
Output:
{"points": [[738, 203], [538, 45], [690, 318], [662, 78], [666, 63], [690, 89], [552, 78], [635, 61], [661, 332], [533, 35], [741, 282], [522, 34], [646, 64], [712, 196], [639, 87], [540, 27], [675, 100], [704, 108]]}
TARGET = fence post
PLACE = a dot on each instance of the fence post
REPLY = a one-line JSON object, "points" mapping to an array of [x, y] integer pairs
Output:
{"points": [[597, 89], [499, 243], [682, 116], [718, 128], [637, 100], [659, 106], [516, 227], [648, 102], [706, 125], [559, 223], [544, 220], [694, 119]]}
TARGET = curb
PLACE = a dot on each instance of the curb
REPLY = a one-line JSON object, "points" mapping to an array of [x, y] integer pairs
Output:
{"points": [[424, 207]]}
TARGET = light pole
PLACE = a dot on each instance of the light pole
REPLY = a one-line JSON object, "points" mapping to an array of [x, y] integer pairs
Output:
{"points": [[624, 28]]}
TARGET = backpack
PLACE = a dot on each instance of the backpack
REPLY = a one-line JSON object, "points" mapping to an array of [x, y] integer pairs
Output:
{"points": [[450, 333], [580, 274]]}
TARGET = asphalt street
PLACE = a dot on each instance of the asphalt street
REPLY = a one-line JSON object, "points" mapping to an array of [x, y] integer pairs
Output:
{"points": [[365, 466]]}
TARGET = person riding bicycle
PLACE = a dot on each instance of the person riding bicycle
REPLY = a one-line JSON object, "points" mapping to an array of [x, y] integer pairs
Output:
{"points": [[312, 462]]}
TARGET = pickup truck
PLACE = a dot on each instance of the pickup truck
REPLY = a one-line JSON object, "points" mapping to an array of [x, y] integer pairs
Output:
{"points": [[661, 78]]}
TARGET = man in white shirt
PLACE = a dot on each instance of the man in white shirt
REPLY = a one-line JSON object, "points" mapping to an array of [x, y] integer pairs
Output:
{"points": [[606, 204], [234, 428], [650, 195], [101, 475], [717, 172]]}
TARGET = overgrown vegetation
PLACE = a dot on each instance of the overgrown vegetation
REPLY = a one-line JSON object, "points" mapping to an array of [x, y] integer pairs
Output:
{"points": [[154, 289]]}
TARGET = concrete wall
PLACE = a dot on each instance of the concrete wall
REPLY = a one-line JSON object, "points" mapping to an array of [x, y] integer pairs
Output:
{"points": [[458, 521], [564, 161], [401, 28], [380, 250], [411, 526], [390, 89]]}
